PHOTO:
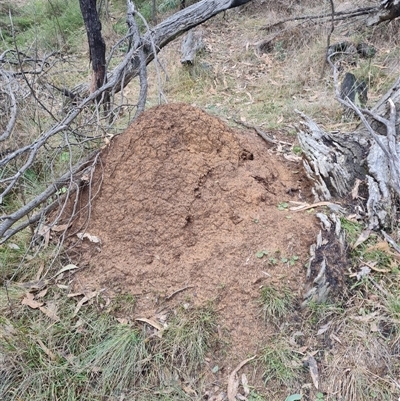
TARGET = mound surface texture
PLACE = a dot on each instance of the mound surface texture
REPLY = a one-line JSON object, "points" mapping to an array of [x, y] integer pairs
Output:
{"points": [[185, 202]]}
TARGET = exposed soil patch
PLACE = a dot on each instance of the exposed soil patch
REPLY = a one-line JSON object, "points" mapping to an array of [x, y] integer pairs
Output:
{"points": [[186, 201]]}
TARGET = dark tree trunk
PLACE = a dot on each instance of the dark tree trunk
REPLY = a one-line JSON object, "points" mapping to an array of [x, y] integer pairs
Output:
{"points": [[161, 35], [97, 46]]}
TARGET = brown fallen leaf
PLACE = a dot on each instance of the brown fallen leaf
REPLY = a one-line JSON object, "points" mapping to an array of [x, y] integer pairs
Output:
{"points": [[50, 312], [85, 299], [233, 382], [44, 231], [156, 325], [29, 300], [60, 228]]}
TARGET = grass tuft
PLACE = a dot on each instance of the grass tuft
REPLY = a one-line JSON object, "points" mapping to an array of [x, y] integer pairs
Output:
{"points": [[91, 356], [280, 363], [276, 304]]}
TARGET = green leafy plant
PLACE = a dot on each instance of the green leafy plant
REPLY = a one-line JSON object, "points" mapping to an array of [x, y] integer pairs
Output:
{"points": [[294, 397], [291, 261], [283, 206], [261, 254], [297, 150], [272, 261]]}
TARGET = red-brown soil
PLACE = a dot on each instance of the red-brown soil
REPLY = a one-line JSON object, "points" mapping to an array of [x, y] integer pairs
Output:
{"points": [[186, 201]]}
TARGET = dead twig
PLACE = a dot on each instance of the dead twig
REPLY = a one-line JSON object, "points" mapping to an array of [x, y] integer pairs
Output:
{"points": [[178, 291], [337, 16], [391, 241], [233, 382], [263, 135]]}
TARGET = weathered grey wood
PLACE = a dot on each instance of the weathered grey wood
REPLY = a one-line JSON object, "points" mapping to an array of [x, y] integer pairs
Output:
{"points": [[327, 265], [334, 161], [191, 45], [388, 10]]}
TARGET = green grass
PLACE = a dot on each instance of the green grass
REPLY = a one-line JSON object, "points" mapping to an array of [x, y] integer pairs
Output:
{"points": [[280, 364], [92, 356], [276, 304], [45, 24]]}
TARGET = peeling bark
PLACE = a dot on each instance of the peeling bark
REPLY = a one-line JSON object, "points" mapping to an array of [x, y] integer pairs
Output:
{"points": [[371, 154]]}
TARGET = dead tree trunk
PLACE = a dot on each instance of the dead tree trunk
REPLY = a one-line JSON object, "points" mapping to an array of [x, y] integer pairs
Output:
{"points": [[388, 11], [97, 46], [362, 166], [168, 30], [191, 45]]}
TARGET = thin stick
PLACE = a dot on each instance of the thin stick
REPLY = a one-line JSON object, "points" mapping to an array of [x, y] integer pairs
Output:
{"points": [[391, 241], [178, 291]]}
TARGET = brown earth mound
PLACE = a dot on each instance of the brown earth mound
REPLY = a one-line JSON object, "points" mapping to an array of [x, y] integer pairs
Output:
{"points": [[186, 203]]}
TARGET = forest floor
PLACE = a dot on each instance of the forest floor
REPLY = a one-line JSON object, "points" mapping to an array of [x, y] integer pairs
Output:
{"points": [[193, 211]]}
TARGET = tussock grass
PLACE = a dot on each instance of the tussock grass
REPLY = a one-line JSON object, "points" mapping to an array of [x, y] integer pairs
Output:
{"points": [[276, 304], [280, 364], [91, 356]]}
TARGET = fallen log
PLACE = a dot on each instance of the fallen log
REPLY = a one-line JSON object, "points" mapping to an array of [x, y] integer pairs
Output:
{"points": [[387, 11], [336, 162]]}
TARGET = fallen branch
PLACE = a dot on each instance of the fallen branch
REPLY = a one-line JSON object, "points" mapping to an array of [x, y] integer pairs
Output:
{"points": [[161, 35], [337, 16], [371, 154]]}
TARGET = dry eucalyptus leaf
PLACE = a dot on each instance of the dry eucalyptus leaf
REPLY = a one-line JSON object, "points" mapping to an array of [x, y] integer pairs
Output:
{"points": [[46, 350], [66, 268], [233, 382], [85, 299], [29, 301], [50, 313], [150, 322], [60, 228], [362, 238], [42, 293], [323, 328], [34, 285]]}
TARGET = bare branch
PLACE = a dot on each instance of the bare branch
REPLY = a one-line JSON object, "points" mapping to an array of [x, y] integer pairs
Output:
{"points": [[337, 16], [8, 91], [158, 37]]}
